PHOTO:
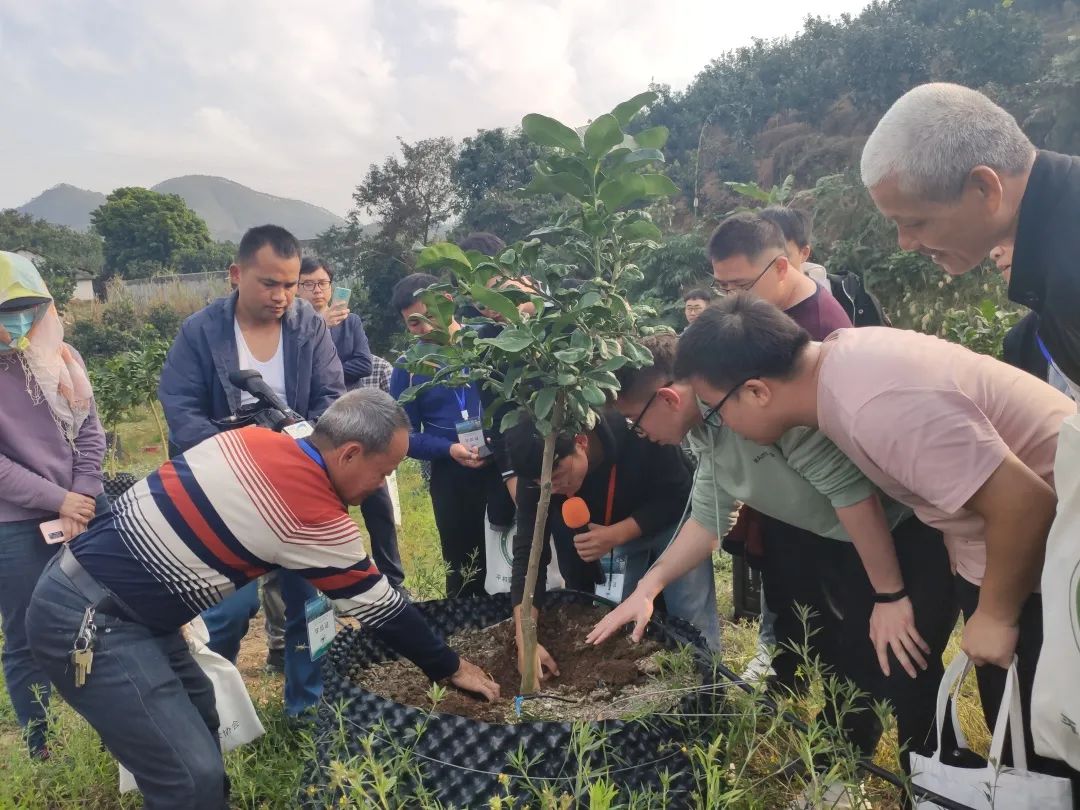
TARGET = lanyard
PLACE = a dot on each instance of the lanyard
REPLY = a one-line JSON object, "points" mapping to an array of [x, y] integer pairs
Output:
{"points": [[610, 496], [1045, 351], [311, 452], [461, 395]]}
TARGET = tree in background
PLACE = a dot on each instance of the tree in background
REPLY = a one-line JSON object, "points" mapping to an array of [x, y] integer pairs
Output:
{"points": [[65, 252], [145, 232], [412, 197]]}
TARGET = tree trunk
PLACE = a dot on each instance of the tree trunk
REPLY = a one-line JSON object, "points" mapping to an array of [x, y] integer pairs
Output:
{"points": [[528, 621]]}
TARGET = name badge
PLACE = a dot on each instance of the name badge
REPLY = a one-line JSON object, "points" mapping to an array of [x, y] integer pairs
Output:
{"points": [[471, 434], [299, 430], [614, 569], [321, 628]]}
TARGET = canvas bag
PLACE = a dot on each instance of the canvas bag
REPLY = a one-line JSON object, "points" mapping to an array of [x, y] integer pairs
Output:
{"points": [[499, 560], [1055, 701], [239, 722], [1014, 788]]}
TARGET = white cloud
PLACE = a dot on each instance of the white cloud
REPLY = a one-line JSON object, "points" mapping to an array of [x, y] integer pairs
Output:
{"points": [[299, 102]]}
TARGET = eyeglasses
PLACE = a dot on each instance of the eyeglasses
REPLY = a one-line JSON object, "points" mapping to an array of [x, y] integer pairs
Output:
{"points": [[312, 286], [635, 426], [713, 417], [726, 288]]}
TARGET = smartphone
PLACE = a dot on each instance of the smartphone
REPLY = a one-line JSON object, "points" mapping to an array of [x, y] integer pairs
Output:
{"points": [[341, 296], [53, 531]]}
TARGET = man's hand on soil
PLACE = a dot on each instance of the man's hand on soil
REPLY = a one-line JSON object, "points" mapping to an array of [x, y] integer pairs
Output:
{"points": [[636, 608], [470, 678], [545, 665]]}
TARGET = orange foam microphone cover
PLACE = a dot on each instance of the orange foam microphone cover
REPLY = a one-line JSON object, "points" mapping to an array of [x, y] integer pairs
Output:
{"points": [[575, 513]]}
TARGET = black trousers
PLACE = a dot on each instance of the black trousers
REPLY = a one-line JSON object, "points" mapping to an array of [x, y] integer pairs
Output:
{"points": [[992, 680], [459, 498], [378, 513], [827, 576]]}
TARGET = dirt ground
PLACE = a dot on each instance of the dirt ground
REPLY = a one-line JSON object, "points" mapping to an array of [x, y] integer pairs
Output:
{"points": [[593, 683]]}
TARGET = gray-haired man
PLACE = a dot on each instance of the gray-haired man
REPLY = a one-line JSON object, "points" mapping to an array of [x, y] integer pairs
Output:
{"points": [[207, 522], [959, 178]]}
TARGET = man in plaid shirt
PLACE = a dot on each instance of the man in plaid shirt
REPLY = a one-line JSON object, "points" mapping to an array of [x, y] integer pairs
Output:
{"points": [[379, 376]]}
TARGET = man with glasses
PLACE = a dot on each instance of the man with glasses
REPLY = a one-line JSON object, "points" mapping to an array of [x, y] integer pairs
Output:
{"points": [[891, 648], [749, 253]]}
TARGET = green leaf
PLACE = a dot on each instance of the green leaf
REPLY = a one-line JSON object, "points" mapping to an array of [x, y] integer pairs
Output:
{"points": [[589, 299], [624, 113], [621, 191], [567, 379], [640, 229], [510, 419], [546, 131], [593, 395], [512, 341], [639, 157], [545, 401], [653, 138], [605, 379], [572, 356], [493, 300], [558, 183], [443, 254], [614, 364], [659, 185], [602, 135]]}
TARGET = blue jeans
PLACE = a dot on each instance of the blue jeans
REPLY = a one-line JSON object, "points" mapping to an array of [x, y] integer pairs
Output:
{"points": [[147, 698], [228, 622], [23, 556], [691, 597]]}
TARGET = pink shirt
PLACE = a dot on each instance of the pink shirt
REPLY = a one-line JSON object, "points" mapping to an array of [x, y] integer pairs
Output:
{"points": [[929, 422]]}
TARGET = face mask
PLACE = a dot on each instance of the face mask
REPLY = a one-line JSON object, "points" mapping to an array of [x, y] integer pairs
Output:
{"points": [[18, 325]]}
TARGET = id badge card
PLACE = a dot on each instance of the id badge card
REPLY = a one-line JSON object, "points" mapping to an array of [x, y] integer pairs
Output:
{"points": [[299, 430], [321, 628], [614, 570], [471, 434]]}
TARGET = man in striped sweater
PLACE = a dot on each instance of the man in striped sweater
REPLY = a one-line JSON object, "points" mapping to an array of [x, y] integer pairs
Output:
{"points": [[233, 507]]}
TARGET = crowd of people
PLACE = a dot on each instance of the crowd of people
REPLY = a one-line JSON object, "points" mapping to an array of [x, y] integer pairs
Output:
{"points": [[886, 480]]}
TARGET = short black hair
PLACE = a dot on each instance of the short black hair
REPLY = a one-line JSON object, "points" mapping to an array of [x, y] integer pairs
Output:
{"points": [[698, 294], [487, 243], [796, 225], [525, 446], [641, 383], [312, 263], [284, 244], [740, 338], [747, 235], [404, 294]]}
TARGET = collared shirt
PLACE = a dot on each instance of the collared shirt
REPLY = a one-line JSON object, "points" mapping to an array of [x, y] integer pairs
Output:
{"points": [[380, 375], [233, 507], [1044, 275]]}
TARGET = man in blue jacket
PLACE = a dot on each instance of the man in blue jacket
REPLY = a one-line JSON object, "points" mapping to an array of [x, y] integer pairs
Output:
{"points": [[261, 327]]}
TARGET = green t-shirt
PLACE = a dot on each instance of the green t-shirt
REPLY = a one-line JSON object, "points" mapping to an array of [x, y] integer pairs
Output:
{"points": [[801, 480]]}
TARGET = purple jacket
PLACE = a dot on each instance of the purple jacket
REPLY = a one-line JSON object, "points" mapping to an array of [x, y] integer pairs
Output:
{"points": [[37, 465]]}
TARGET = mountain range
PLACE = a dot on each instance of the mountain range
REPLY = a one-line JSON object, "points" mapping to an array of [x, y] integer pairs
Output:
{"points": [[227, 207]]}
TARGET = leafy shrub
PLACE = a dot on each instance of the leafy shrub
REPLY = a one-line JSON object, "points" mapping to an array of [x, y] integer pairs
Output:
{"points": [[982, 329]]}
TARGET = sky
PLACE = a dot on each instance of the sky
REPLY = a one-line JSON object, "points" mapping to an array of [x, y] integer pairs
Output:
{"points": [[299, 99]]}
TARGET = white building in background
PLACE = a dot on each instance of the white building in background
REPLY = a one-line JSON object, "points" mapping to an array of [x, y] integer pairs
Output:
{"points": [[84, 280]]}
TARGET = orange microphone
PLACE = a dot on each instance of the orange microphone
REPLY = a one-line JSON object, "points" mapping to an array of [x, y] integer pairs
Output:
{"points": [[575, 513]]}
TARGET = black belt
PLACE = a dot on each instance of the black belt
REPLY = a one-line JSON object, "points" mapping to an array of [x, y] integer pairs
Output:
{"points": [[102, 599]]}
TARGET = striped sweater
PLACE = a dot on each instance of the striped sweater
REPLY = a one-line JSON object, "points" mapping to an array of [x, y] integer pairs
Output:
{"points": [[233, 507]]}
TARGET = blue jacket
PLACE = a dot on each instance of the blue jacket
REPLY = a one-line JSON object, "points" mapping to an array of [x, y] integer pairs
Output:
{"points": [[434, 414], [195, 385], [353, 350]]}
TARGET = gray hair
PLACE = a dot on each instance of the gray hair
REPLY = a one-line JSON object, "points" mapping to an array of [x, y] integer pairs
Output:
{"points": [[935, 134], [367, 415]]}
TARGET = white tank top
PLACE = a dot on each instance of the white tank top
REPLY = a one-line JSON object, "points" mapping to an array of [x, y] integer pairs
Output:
{"points": [[273, 370]]}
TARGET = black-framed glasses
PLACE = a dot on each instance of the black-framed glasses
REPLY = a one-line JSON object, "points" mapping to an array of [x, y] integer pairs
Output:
{"points": [[312, 286], [713, 417], [635, 426], [724, 288]]}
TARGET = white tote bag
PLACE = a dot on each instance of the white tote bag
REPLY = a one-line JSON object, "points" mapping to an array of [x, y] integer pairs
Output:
{"points": [[1014, 788], [1055, 702], [499, 560], [239, 722]]}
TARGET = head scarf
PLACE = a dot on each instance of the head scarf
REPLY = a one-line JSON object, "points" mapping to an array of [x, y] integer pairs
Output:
{"points": [[49, 363]]}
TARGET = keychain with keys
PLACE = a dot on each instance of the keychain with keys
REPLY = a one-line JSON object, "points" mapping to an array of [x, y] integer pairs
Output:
{"points": [[82, 655]]}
